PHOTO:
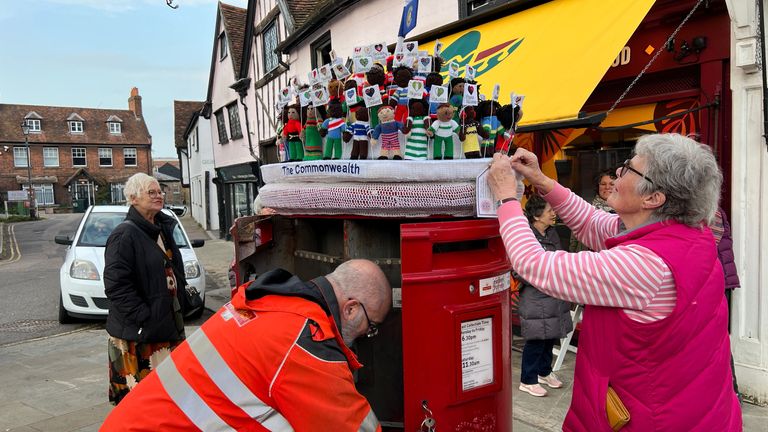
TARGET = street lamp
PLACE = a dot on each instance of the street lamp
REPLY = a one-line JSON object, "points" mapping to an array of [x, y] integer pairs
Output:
{"points": [[30, 190]]}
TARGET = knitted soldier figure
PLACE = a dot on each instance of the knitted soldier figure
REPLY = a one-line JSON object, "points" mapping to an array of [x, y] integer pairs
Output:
{"points": [[442, 130], [417, 142], [470, 127], [360, 131], [292, 134], [487, 110], [332, 129], [386, 133], [313, 142]]}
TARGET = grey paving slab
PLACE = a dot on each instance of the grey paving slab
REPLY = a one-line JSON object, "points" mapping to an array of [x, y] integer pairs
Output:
{"points": [[86, 417], [18, 414]]}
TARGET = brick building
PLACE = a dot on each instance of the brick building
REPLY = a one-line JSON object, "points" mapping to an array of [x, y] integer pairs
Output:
{"points": [[76, 153], [168, 174]]}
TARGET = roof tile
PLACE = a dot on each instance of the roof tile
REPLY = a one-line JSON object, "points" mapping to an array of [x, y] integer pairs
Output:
{"points": [[234, 24], [182, 113]]}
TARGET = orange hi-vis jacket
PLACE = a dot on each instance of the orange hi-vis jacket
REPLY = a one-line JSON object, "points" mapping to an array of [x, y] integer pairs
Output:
{"points": [[271, 360]]}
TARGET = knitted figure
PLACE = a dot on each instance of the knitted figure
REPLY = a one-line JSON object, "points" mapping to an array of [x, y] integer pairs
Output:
{"points": [[332, 130], [472, 132], [442, 130], [398, 98], [349, 111], [416, 127], [457, 96], [508, 117], [386, 132], [292, 134], [487, 111], [313, 142], [376, 76], [335, 91], [433, 79], [360, 131]]}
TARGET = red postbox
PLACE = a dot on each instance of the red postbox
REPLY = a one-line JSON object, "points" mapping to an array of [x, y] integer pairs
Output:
{"points": [[456, 332]]}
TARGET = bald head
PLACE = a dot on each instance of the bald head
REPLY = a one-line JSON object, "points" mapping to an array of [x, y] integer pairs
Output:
{"points": [[360, 281]]}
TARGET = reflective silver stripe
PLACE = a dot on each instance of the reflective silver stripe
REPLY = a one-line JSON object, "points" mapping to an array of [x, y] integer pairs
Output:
{"points": [[187, 400], [229, 384], [370, 422]]}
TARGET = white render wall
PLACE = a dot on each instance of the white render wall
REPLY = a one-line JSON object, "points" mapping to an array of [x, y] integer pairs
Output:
{"points": [[749, 221], [381, 21], [201, 161]]}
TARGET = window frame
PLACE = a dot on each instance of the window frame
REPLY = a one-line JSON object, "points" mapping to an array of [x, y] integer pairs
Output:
{"points": [[42, 190], [233, 115], [111, 160], [268, 53], [192, 140], [464, 6], [223, 46], [117, 126], [84, 157], [23, 152], [35, 125], [73, 126], [46, 157], [135, 156], [221, 126], [320, 46]]}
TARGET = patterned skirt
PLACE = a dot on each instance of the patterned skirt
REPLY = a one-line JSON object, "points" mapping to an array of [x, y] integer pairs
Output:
{"points": [[131, 361]]}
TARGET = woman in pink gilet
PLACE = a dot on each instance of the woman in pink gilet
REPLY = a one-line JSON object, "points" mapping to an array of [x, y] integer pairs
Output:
{"points": [[655, 325]]}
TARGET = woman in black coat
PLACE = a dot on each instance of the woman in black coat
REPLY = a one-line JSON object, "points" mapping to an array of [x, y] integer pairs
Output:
{"points": [[143, 272], [543, 319]]}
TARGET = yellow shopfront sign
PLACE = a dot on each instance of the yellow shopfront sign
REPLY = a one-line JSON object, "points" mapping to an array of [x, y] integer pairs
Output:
{"points": [[554, 54]]}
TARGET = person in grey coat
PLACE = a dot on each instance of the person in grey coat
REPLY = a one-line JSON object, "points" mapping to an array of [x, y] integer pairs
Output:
{"points": [[543, 319]]}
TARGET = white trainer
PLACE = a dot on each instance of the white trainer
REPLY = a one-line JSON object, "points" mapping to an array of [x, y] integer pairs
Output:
{"points": [[533, 389], [550, 380]]}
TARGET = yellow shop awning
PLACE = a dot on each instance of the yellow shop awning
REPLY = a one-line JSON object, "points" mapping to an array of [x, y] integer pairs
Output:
{"points": [[554, 54]]}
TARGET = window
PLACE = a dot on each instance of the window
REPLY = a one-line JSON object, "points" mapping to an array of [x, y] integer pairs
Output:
{"points": [[192, 140], [473, 7], [20, 157], [129, 156], [78, 156], [50, 156], [321, 50], [222, 46], [75, 127], [105, 157], [234, 121], [116, 193], [43, 193], [34, 125], [221, 127], [269, 43], [115, 127]]}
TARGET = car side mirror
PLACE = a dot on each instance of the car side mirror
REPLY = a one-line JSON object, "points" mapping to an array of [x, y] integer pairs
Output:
{"points": [[198, 243], [63, 240]]}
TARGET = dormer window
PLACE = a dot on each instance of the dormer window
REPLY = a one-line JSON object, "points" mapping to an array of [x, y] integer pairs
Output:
{"points": [[115, 125], [75, 123], [34, 121]]}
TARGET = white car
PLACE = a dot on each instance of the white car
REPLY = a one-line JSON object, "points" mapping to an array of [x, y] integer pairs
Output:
{"points": [[81, 275]]}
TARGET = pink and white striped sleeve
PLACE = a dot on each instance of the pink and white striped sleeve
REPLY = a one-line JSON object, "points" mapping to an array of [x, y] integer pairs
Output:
{"points": [[590, 225], [628, 277]]}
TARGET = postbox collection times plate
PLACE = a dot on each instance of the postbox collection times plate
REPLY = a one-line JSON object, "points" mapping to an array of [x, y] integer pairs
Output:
{"points": [[476, 353]]}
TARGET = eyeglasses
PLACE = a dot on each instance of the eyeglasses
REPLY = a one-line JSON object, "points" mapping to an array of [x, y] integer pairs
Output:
{"points": [[155, 193], [373, 328], [627, 167]]}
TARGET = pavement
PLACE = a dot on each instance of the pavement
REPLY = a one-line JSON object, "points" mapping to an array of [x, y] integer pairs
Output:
{"points": [[59, 383]]}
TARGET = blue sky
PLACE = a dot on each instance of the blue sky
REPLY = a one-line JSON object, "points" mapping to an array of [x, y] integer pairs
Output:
{"points": [[89, 53]]}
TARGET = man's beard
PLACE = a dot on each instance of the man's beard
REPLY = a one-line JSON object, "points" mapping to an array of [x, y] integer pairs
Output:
{"points": [[348, 330]]}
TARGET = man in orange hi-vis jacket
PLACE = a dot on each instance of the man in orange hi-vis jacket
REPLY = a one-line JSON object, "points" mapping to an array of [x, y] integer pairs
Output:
{"points": [[273, 359]]}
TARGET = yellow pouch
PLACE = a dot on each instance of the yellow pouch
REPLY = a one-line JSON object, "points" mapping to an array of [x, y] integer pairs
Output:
{"points": [[618, 416]]}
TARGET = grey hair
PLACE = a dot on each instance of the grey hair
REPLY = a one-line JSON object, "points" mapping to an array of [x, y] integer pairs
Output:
{"points": [[362, 280], [137, 185], [686, 172]]}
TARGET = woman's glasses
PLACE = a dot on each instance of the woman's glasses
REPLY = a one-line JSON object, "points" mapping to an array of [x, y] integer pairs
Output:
{"points": [[155, 193], [627, 167]]}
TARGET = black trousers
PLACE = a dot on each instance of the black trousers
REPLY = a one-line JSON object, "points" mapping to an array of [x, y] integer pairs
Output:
{"points": [[537, 360]]}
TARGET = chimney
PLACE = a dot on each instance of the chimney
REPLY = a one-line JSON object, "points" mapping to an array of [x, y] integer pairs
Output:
{"points": [[134, 102]]}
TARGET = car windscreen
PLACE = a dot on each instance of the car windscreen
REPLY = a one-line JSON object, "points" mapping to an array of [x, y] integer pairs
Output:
{"points": [[99, 226]]}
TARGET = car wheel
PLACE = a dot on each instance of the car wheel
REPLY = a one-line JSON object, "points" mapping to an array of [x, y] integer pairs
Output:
{"points": [[64, 317], [198, 313]]}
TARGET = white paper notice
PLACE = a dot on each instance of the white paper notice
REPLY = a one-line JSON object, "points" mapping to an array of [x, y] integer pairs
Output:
{"points": [[476, 353], [486, 205], [494, 284]]}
